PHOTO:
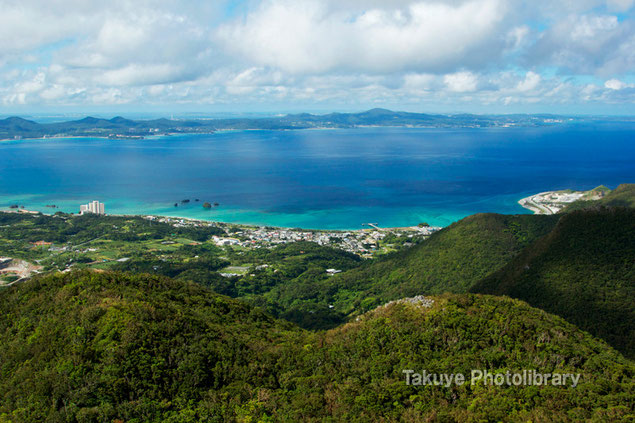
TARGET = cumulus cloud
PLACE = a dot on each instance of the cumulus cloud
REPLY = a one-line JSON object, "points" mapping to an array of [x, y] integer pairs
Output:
{"points": [[530, 82], [137, 74], [305, 36], [419, 81], [461, 82], [620, 5], [348, 53], [616, 84], [588, 44]]}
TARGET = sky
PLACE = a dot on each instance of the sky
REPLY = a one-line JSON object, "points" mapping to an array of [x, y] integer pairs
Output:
{"points": [[280, 56]]}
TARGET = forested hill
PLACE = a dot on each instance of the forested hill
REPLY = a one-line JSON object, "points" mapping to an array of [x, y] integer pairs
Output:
{"points": [[583, 271], [102, 346], [16, 127], [459, 333], [88, 346], [451, 260]]}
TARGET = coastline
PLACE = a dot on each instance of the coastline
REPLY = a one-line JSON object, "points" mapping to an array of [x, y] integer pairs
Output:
{"points": [[552, 202], [49, 138], [530, 204], [148, 137], [221, 223], [311, 128]]}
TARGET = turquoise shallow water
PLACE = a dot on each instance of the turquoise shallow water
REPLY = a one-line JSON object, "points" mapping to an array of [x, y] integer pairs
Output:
{"points": [[327, 179]]}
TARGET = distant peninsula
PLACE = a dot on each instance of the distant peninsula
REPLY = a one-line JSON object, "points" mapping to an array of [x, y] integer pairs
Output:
{"points": [[121, 128], [553, 202]]}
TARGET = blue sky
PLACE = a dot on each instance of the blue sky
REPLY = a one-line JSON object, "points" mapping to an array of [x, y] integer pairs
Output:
{"points": [[277, 56]]}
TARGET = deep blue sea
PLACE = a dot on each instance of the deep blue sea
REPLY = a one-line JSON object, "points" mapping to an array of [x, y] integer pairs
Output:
{"points": [[319, 179]]}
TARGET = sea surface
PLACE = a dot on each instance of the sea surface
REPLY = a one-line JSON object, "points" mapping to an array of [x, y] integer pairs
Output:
{"points": [[321, 179]]}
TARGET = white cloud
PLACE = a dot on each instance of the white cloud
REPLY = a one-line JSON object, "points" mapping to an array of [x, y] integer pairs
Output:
{"points": [[32, 85], [109, 97], [338, 52], [588, 28], [419, 81], [54, 92], [616, 84], [530, 82], [253, 78], [306, 37], [620, 5], [587, 44], [517, 37], [136, 74], [461, 82], [23, 27]]}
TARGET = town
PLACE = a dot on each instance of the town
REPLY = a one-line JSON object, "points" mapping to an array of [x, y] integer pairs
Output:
{"points": [[364, 242], [32, 242]]}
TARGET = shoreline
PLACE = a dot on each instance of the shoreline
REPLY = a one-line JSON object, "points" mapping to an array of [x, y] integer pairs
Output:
{"points": [[218, 222], [142, 137], [535, 207], [310, 128], [553, 202]]}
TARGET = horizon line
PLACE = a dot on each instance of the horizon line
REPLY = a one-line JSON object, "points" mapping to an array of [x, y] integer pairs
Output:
{"points": [[230, 115]]}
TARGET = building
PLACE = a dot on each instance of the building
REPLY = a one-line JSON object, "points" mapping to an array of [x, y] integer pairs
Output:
{"points": [[93, 207]]}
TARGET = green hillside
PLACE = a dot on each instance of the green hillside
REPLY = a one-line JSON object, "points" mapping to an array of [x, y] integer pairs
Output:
{"points": [[622, 196], [451, 260], [357, 369], [92, 347], [583, 271]]}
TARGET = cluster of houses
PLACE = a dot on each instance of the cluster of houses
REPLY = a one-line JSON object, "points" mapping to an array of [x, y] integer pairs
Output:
{"points": [[359, 242], [362, 242]]}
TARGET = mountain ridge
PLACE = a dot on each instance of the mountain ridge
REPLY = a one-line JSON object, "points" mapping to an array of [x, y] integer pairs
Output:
{"points": [[583, 271], [88, 346], [16, 127], [451, 260]]}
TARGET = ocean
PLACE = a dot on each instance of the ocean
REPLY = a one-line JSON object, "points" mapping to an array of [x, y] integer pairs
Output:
{"points": [[319, 179]]}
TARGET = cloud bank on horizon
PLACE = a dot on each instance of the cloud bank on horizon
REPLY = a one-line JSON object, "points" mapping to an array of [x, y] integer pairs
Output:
{"points": [[474, 55]]}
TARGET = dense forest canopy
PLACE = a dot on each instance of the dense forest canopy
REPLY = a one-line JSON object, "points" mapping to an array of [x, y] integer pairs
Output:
{"points": [[89, 346], [584, 271]]}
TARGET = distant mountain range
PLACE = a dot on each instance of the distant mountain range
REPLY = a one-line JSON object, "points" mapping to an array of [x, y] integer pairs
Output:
{"points": [[119, 127]]}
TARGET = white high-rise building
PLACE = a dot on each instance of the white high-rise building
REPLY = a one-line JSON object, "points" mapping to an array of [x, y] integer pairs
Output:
{"points": [[93, 207]]}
